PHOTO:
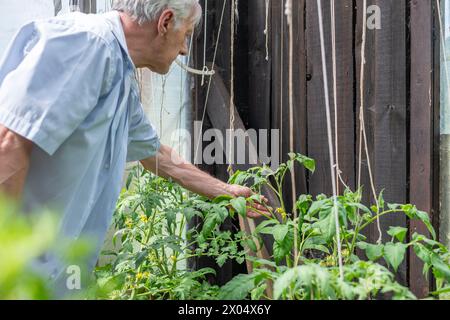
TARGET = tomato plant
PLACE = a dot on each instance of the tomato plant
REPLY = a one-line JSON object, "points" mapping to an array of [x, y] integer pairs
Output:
{"points": [[152, 218], [314, 273]]}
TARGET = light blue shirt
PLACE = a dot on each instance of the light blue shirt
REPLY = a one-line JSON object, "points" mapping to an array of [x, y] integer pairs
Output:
{"points": [[68, 84]]}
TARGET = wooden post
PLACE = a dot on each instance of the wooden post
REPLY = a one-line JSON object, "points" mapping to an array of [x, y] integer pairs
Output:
{"points": [[421, 129], [88, 6]]}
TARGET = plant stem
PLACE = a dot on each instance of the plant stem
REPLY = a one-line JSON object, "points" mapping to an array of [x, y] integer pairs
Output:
{"points": [[375, 218]]}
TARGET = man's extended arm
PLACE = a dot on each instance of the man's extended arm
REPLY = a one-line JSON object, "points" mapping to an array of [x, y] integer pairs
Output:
{"points": [[14, 162], [168, 164]]}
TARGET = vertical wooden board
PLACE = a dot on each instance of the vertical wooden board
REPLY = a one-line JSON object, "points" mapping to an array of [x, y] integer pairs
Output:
{"points": [[361, 163], [386, 109], [318, 145], [279, 57], [259, 69], [299, 94], [320, 182], [345, 91], [421, 128], [88, 6], [222, 62]]}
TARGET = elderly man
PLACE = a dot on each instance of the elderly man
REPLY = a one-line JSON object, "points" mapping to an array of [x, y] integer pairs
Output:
{"points": [[70, 115]]}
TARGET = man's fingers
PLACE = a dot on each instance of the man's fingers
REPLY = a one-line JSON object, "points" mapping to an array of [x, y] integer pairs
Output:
{"points": [[253, 215]]}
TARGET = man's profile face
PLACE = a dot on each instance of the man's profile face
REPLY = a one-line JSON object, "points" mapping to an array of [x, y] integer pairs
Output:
{"points": [[169, 45], [177, 43]]}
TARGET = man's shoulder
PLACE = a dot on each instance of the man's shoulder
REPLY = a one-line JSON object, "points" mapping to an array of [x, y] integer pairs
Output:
{"points": [[96, 27]]}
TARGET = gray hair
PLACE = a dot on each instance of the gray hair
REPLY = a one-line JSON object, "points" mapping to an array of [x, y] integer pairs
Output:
{"points": [[150, 10]]}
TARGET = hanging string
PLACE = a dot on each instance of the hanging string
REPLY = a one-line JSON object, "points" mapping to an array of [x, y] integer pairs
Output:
{"points": [[232, 108], [210, 82], [204, 72], [282, 78], [183, 81], [205, 68], [266, 30], [336, 133], [288, 12], [330, 139], [362, 133]]}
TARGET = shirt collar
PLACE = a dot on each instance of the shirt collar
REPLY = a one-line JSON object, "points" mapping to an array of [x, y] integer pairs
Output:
{"points": [[113, 19]]}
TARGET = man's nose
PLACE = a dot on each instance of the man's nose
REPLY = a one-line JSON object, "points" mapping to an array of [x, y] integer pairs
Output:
{"points": [[184, 50]]}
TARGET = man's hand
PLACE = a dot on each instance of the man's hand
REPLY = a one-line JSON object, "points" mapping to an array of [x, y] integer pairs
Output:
{"points": [[15, 160], [168, 164], [259, 209]]}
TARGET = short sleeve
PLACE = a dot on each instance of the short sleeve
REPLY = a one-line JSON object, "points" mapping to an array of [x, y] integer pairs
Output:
{"points": [[51, 78], [143, 140]]}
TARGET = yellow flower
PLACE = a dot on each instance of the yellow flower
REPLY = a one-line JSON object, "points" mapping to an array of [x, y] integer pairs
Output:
{"points": [[345, 253], [281, 212], [143, 218], [139, 276], [129, 223], [330, 262]]}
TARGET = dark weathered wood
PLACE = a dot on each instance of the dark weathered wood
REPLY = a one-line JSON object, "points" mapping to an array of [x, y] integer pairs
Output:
{"points": [[318, 147], [385, 110], [259, 70], [437, 154], [219, 112], [421, 128], [279, 58], [403, 143], [214, 12], [88, 6]]}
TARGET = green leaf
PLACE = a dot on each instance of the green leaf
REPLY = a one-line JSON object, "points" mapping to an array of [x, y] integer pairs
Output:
{"points": [[360, 206], [210, 223], [223, 198], [140, 258], [190, 213], [240, 205], [425, 218], [393, 206], [280, 232], [440, 266], [308, 163], [251, 244], [284, 282], [394, 254], [373, 252], [422, 252], [327, 227], [263, 226], [317, 206], [238, 288], [220, 260], [381, 201], [318, 247], [171, 217], [258, 292], [303, 203], [283, 248], [258, 262], [398, 232]]}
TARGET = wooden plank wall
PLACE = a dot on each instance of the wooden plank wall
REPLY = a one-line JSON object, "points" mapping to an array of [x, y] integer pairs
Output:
{"points": [[397, 92], [421, 128]]}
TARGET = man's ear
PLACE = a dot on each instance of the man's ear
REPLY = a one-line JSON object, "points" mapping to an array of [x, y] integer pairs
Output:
{"points": [[165, 21]]}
